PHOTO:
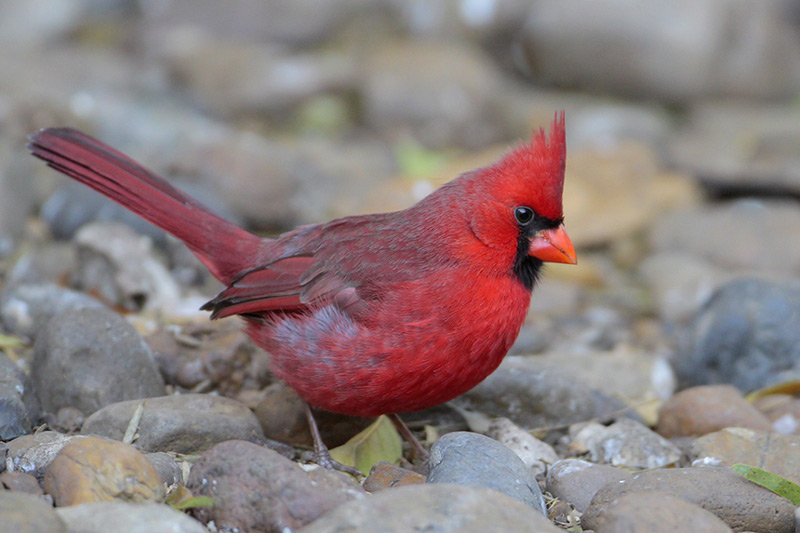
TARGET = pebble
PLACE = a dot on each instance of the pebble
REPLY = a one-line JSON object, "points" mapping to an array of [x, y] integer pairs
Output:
{"points": [[127, 517], [49, 263], [255, 489], [705, 409], [444, 508], [536, 395], [656, 512], [741, 504], [782, 410], [19, 407], [20, 482], [32, 454], [26, 309], [779, 454], [118, 265], [536, 454], [478, 461], [90, 358], [186, 423], [385, 475], [167, 467], [625, 443], [745, 335], [92, 470], [576, 481], [25, 513]]}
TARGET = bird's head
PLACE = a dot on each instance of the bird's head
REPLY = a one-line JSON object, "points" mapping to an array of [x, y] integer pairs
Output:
{"points": [[515, 204]]}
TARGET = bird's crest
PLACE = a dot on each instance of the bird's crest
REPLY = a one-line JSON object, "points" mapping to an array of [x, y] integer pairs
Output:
{"points": [[536, 169]]}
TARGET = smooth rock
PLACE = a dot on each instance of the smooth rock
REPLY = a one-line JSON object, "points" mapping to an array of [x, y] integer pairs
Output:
{"points": [[255, 489], [52, 262], [656, 512], [741, 504], [478, 461], [32, 454], [25, 310], [186, 423], [700, 410], [25, 513], [625, 443], [782, 410], [19, 407], [779, 454], [534, 394], [167, 467], [536, 454], [576, 481], [118, 265], [92, 470], [444, 508], [746, 334], [90, 358], [16, 196], [127, 518], [385, 475]]}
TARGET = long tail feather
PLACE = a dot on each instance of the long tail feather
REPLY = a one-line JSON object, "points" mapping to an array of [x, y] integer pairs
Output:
{"points": [[224, 248]]}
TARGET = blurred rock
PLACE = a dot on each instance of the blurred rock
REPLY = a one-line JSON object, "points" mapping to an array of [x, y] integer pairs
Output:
{"points": [[736, 236], [745, 335], [576, 481], [68, 420], [608, 126], [282, 416], [656, 512], [741, 504], [779, 454], [386, 476], [35, 22], [187, 423], [127, 518], [475, 460], [20, 482], [118, 265], [782, 410], [167, 467], [16, 197], [19, 407], [431, 507], [230, 78], [435, 91], [701, 410], [537, 455], [535, 394], [255, 489], [625, 443], [90, 358], [741, 149], [618, 191], [32, 454], [26, 310], [612, 48], [50, 263], [25, 513], [94, 470]]}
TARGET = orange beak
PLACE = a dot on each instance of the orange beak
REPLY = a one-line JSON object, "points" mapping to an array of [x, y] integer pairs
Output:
{"points": [[553, 246]]}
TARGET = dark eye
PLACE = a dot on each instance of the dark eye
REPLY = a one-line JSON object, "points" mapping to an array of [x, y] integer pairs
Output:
{"points": [[524, 215]]}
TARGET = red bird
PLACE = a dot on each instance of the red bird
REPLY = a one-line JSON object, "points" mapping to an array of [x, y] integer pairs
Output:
{"points": [[375, 314]]}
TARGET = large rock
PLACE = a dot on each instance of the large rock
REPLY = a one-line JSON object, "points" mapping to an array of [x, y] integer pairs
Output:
{"points": [[127, 518], [19, 408], [577, 481], [24, 513], [90, 358], [187, 423], [746, 335], [255, 489], [442, 508]]}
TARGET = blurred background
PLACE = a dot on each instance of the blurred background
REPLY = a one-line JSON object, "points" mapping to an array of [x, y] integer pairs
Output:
{"points": [[683, 126]]}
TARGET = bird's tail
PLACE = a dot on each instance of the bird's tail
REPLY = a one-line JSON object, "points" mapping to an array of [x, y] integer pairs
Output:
{"points": [[224, 248]]}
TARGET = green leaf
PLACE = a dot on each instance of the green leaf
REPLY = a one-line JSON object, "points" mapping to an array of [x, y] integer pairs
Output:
{"points": [[777, 484], [416, 161], [10, 342], [379, 442], [193, 502]]}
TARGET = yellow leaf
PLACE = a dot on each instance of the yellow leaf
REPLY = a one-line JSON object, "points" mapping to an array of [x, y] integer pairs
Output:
{"points": [[792, 388], [379, 442]]}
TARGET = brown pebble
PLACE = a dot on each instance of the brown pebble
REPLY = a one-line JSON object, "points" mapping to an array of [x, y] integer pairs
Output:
{"points": [[20, 482], [386, 475]]}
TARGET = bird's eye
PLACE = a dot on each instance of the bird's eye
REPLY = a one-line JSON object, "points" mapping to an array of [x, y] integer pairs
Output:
{"points": [[524, 215]]}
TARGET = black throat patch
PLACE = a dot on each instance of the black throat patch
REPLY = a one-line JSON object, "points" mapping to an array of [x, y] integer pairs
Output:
{"points": [[527, 269]]}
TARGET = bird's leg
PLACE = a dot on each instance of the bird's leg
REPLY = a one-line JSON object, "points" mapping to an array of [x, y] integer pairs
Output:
{"points": [[322, 456], [421, 452]]}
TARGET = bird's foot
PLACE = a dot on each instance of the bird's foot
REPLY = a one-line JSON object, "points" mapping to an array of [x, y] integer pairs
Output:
{"points": [[323, 458]]}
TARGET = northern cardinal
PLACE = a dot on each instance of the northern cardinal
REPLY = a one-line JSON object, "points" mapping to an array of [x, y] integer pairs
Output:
{"points": [[374, 314]]}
